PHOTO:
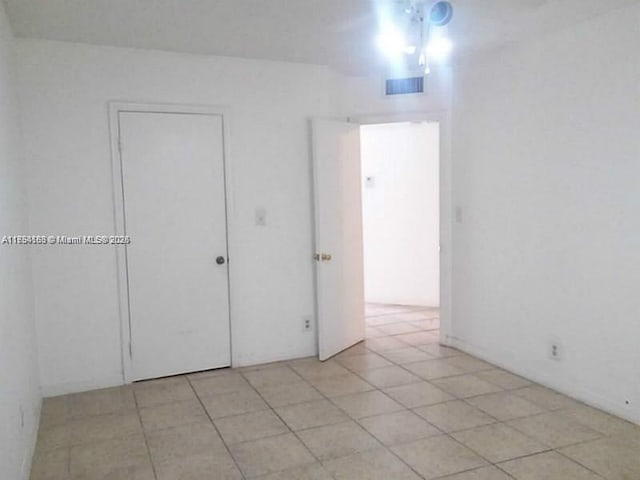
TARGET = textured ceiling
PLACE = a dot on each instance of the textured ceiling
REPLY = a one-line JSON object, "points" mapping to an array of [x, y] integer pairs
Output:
{"points": [[339, 33]]}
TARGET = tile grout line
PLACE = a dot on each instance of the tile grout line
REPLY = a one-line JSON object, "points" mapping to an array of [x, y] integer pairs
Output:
{"points": [[144, 433], [405, 408], [382, 446], [495, 464], [497, 421], [455, 398], [411, 410], [502, 422], [357, 422], [465, 399], [273, 410], [562, 454], [68, 460], [224, 442], [449, 475]]}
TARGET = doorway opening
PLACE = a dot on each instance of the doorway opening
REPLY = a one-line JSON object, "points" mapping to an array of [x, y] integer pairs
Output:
{"points": [[390, 171], [401, 230]]}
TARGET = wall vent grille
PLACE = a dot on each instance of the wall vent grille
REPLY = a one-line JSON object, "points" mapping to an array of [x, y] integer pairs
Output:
{"points": [[404, 86]]}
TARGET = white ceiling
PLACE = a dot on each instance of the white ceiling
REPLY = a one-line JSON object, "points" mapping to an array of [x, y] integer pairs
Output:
{"points": [[339, 33]]}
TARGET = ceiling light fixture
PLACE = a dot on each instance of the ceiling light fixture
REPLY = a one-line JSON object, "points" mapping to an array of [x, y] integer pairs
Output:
{"points": [[392, 43], [423, 35]]}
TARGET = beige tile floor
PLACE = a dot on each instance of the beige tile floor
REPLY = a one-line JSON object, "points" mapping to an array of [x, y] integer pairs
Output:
{"points": [[396, 407]]}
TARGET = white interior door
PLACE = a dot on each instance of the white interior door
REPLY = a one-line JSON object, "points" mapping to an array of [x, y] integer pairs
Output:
{"points": [[175, 214], [338, 209]]}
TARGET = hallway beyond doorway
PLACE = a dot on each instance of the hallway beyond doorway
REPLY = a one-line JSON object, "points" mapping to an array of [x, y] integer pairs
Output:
{"points": [[384, 319]]}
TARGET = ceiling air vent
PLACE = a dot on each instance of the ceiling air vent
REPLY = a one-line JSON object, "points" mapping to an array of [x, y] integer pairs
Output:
{"points": [[404, 86]]}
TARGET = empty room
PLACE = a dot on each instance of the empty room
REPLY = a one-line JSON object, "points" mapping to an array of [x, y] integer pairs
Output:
{"points": [[319, 240]]}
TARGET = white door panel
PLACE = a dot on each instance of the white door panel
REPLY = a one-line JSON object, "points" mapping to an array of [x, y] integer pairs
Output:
{"points": [[174, 197], [338, 209]]}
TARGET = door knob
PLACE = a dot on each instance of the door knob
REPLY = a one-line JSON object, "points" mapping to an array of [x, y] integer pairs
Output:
{"points": [[220, 260]]}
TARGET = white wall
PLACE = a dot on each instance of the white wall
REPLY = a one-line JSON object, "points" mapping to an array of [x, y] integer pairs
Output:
{"points": [[19, 392], [546, 171], [365, 95], [65, 88], [401, 213]]}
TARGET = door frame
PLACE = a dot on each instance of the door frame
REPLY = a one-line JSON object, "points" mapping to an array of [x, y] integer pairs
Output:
{"points": [[446, 204], [115, 108]]}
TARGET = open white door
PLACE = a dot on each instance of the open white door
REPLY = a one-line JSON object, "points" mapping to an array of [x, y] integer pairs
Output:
{"points": [[338, 211]]}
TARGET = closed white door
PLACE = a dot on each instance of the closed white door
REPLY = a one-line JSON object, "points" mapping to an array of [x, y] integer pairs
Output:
{"points": [[338, 209], [175, 214]]}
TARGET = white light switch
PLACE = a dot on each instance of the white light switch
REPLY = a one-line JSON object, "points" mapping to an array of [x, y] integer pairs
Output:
{"points": [[261, 217]]}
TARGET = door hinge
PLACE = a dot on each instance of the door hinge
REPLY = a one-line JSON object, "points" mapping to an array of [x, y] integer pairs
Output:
{"points": [[120, 145], [130, 350]]}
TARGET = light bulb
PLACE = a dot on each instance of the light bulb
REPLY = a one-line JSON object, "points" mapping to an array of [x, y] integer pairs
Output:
{"points": [[392, 43]]}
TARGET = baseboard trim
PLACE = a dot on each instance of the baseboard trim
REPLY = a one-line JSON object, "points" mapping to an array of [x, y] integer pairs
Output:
{"points": [[27, 459], [253, 361], [572, 390], [55, 390]]}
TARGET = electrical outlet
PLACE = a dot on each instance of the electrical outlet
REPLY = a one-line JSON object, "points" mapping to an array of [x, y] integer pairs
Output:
{"points": [[555, 350], [306, 324]]}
